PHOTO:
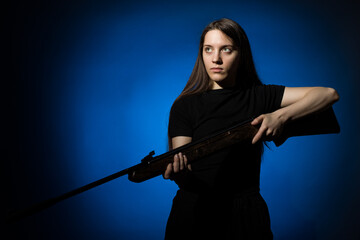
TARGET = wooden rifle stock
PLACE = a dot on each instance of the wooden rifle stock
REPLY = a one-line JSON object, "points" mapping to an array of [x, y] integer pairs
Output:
{"points": [[323, 122]]}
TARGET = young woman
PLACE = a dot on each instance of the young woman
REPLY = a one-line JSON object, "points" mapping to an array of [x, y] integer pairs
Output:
{"points": [[218, 196]]}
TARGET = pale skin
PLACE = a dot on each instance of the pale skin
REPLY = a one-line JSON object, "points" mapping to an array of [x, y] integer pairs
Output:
{"points": [[221, 59]]}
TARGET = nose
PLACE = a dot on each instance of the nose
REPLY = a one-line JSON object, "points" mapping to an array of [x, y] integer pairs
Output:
{"points": [[217, 58]]}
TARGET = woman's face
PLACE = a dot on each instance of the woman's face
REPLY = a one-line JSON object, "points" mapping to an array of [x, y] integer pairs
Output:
{"points": [[221, 59]]}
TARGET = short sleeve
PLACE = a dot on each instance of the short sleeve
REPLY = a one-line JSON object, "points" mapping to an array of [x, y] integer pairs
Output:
{"points": [[180, 123], [270, 97]]}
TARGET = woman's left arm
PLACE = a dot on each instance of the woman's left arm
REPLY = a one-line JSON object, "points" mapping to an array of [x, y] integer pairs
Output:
{"points": [[297, 102]]}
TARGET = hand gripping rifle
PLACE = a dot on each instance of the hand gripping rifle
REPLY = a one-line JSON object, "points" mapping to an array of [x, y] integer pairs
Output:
{"points": [[319, 123]]}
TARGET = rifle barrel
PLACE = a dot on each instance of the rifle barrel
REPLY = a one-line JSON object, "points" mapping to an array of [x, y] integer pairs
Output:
{"points": [[18, 215]]}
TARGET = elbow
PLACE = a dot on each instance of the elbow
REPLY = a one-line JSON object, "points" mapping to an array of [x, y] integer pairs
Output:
{"points": [[333, 95]]}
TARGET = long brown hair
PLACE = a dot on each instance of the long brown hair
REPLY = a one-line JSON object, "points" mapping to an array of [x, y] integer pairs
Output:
{"points": [[247, 76]]}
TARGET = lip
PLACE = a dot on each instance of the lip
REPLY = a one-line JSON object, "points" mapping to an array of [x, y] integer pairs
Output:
{"points": [[216, 69]]}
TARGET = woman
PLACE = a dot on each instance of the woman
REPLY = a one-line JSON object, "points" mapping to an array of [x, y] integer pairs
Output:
{"points": [[218, 196]]}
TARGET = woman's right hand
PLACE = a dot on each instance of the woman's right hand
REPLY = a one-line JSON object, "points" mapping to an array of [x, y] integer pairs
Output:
{"points": [[180, 163]]}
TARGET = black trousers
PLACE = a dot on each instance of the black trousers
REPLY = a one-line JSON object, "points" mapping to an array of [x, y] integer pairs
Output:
{"points": [[218, 216]]}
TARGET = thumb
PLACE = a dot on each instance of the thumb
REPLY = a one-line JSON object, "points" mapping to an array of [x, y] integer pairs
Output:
{"points": [[257, 120]]}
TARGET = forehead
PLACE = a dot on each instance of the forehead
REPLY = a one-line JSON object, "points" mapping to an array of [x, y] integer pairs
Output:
{"points": [[217, 37]]}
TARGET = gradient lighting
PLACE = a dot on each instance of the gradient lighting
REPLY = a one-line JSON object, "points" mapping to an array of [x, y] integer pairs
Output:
{"points": [[115, 80]]}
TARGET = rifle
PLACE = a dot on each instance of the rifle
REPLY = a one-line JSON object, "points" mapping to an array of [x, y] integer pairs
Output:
{"points": [[324, 122]]}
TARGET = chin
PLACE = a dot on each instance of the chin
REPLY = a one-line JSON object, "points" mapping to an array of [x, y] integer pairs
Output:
{"points": [[218, 78]]}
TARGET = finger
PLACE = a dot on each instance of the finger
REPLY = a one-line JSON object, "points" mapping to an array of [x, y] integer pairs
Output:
{"points": [[256, 138], [181, 162], [258, 135], [269, 132], [168, 171], [176, 163], [186, 163], [257, 120]]}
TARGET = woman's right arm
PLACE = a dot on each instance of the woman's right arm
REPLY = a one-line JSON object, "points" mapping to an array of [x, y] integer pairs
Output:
{"points": [[180, 160]]}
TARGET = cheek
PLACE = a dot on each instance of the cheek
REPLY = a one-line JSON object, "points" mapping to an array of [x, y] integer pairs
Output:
{"points": [[233, 62], [206, 61]]}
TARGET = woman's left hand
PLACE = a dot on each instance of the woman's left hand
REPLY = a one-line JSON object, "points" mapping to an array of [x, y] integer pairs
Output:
{"points": [[296, 103], [271, 127]]}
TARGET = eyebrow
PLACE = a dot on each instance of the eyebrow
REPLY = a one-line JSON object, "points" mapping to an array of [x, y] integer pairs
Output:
{"points": [[228, 45]]}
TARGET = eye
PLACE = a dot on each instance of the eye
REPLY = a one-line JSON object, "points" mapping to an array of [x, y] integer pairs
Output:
{"points": [[227, 50], [207, 49]]}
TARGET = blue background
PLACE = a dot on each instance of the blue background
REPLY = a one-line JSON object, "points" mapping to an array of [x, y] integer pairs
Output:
{"points": [[88, 86]]}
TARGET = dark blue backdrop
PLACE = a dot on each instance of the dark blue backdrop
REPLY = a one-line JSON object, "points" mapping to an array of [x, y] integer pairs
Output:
{"points": [[88, 90]]}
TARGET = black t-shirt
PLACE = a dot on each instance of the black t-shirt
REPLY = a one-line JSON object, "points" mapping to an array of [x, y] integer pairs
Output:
{"points": [[199, 115]]}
